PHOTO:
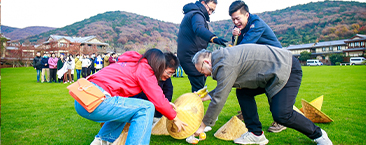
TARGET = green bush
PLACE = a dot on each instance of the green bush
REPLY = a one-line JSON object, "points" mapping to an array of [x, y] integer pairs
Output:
{"points": [[337, 63], [364, 62]]}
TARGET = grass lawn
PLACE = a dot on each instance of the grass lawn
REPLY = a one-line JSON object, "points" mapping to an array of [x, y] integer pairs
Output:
{"points": [[43, 113]]}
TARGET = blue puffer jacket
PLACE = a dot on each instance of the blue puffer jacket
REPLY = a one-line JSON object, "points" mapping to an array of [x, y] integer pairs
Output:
{"points": [[44, 61], [193, 36], [258, 32]]}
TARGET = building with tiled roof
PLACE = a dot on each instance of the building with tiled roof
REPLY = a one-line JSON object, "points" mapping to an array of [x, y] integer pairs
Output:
{"points": [[350, 47]]}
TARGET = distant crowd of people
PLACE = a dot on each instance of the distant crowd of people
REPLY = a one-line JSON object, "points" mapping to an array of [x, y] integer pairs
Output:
{"points": [[60, 69]]}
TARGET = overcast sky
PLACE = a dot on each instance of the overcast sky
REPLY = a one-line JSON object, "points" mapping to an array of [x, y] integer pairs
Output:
{"points": [[60, 13]]}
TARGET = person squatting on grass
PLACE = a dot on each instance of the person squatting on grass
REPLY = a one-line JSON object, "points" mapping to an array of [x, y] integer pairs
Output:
{"points": [[132, 74], [256, 69], [165, 82], [249, 28]]}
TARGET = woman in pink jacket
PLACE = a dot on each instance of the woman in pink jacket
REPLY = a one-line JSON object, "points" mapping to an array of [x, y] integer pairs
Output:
{"points": [[132, 74], [52, 62]]}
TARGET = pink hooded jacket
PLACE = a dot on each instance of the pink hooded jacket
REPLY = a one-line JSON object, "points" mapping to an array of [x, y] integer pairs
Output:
{"points": [[127, 78]]}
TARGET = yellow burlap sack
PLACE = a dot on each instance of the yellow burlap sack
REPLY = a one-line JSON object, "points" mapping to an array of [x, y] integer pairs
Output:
{"points": [[189, 108]]}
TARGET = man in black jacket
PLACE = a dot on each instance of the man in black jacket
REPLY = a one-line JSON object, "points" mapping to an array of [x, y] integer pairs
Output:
{"points": [[193, 36], [37, 65]]}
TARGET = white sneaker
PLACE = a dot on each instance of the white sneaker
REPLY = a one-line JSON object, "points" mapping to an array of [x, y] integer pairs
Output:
{"points": [[250, 138], [99, 141], [207, 129], [324, 139]]}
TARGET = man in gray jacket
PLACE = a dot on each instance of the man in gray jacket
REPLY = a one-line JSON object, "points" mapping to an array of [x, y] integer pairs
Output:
{"points": [[256, 69]]}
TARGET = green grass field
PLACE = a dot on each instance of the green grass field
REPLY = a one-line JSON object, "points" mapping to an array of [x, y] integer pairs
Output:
{"points": [[43, 113]]}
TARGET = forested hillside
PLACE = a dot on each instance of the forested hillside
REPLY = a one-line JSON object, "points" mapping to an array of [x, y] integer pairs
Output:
{"points": [[17, 33], [122, 30], [315, 21]]}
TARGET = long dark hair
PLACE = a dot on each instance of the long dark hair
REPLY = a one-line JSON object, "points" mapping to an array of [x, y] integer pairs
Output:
{"points": [[156, 60]]}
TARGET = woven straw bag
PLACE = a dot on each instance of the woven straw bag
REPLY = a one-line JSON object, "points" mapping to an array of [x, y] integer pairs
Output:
{"points": [[231, 130], [159, 127], [189, 108], [314, 114]]}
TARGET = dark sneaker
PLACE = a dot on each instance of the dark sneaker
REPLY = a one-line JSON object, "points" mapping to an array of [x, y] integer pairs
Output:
{"points": [[275, 127], [240, 116]]}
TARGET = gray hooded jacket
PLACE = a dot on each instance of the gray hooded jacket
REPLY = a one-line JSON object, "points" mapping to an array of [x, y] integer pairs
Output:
{"points": [[247, 66]]}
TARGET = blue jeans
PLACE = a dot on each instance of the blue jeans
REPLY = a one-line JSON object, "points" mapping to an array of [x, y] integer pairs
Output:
{"points": [[116, 112], [39, 71], [78, 72], [181, 71]]}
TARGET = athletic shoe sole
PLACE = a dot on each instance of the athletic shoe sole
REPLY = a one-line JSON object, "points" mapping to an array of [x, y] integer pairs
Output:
{"points": [[277, 131]]}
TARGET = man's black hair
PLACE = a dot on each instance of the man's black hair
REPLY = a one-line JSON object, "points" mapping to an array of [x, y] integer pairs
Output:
{"points": [[235, 6], [171, 61], [207, 1]]}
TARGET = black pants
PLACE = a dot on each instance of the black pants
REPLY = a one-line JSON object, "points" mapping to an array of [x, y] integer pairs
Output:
{"points": [[53, 72], [92, 71], [281, 106], [84, 72], [197, 82]]}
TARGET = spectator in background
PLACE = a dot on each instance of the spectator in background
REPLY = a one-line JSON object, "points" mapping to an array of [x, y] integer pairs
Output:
{"points": [[106, 60], [193, 36], [98, 63], [85, 63], [252, 29], [52, 62], [37, 65], [70, 64], [179, 72], [45, 68], [92, 65], [112, 58], [165, 82], [78, 66], [60, 64]]}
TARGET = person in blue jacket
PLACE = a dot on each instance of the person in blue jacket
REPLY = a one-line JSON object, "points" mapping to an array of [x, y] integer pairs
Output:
{"points": [[45, 68], [252, 29], [249, 27], [193, 36]]}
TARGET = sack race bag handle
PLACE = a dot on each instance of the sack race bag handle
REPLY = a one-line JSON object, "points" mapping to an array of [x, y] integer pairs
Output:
{"points": [[86, 94]]}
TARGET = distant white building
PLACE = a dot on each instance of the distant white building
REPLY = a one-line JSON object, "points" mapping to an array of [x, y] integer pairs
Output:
{"points": [[350, 47]]}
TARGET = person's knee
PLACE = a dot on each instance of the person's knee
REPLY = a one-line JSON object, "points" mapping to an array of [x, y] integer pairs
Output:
{"points": [[150, 106], [281, 117]]}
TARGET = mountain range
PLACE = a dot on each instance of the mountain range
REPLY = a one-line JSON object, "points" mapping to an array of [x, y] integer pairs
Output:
{"points": [[311, 22]]}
